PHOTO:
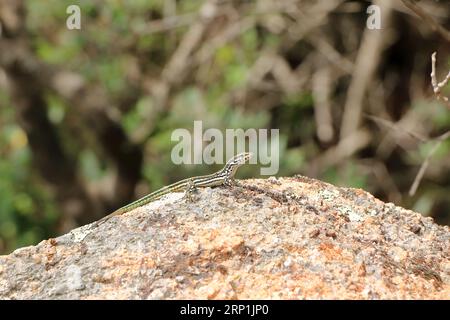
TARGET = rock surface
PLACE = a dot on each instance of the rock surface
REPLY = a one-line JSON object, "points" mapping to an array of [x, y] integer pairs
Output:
{"points": [[287, 238]]}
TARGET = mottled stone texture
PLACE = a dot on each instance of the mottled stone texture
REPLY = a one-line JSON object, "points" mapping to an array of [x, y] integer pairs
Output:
{"points": [[287, 238]]}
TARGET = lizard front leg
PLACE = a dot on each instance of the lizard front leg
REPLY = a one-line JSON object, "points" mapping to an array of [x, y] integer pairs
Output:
{"points": [[190, 188], [230, 182]]}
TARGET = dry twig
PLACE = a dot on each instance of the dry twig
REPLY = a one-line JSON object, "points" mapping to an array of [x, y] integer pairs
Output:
{"points": [[366, 62], [437, 86], [428, 19], [424, 166]]}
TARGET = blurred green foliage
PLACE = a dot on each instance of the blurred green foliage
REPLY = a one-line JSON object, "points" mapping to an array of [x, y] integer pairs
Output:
{"points": [[27, 211]]}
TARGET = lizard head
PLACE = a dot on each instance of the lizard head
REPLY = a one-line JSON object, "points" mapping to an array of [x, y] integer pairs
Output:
{"points": [[234, 163], [239, 159]]}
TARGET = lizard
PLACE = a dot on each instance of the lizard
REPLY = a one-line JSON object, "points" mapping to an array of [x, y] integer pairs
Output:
{"points": [[225, 176]]}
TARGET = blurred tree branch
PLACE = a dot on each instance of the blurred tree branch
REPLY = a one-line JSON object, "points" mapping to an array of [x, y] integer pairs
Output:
{"points": [[437, 86], [372, 45], [428, 19]]}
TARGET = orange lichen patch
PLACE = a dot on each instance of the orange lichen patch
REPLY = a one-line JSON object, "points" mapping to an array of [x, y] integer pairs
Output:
{"points": [[218, 242], [50, 257], [334, 253], [360, 192], [50, 254], [291, 248], [131, 261]]}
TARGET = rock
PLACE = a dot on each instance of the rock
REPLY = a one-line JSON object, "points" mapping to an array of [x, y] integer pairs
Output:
{"points": [[298, 238]]}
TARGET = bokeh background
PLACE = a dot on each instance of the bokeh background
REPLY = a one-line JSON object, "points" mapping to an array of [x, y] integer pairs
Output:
{"points": [[86, 115]]}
